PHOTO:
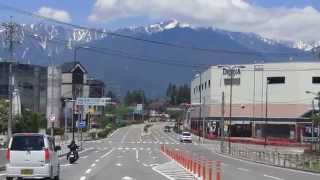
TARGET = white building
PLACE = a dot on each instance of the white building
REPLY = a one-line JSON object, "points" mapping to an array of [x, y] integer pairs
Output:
{"points": [[283, 85]]}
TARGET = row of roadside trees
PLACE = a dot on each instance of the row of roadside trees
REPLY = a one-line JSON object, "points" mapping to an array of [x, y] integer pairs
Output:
{"points": [[28, 121]]}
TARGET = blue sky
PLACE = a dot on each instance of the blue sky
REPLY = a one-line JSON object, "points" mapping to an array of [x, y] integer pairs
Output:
{"points": [[258, 16]]}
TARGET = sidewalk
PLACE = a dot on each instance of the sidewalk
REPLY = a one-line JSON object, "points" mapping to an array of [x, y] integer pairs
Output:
{"points": [[281, 156]]}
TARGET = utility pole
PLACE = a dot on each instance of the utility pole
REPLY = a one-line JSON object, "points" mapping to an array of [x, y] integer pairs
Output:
{"points": [[200, 86], [230, 110], [222, 124], [203, 123], [11, 29]]}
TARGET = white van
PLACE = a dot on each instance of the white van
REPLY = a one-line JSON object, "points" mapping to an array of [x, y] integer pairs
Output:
{"points": [[32, 155]]}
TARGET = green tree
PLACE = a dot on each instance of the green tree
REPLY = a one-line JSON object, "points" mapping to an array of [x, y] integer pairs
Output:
{"points": [[135, 97], [30, 122], [4, 109]]}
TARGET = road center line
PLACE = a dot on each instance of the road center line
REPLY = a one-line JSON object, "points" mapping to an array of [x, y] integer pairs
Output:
{"points": [[82, 178], [93, 165], [106, 154], [137, 154], [88, 171], [265, 175], [243, 169]]}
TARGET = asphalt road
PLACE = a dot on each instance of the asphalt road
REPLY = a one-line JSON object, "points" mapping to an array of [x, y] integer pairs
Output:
{"points": [[129, 154]]}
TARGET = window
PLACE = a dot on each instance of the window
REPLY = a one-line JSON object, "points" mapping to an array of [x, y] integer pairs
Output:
{"points": [[316, 80], [209, 83], [276, 80], [235, 81], [27, 143], [202, 86], [205, 85], [199, 88], [77, 76]]}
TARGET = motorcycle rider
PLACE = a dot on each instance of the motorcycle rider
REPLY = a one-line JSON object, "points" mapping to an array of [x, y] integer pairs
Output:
{"points": [[73, 149]]}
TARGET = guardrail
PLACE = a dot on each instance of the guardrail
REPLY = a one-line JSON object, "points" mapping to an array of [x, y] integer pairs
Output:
{"points": [[200, 167]]}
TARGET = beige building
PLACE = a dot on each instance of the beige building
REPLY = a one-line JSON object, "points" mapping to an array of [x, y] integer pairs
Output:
{"points": [[273, 90]]}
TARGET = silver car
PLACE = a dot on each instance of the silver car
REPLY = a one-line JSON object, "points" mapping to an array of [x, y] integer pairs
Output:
{"points": [[32, 155], [185, 137]]}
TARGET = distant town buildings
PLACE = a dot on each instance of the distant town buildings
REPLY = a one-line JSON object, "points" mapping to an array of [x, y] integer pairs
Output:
{"points": [[30, 86], [51, 90], [268, 100]]}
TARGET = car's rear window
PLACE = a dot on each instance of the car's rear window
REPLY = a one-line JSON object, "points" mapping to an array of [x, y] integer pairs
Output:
{"points": [[186, 134], [27, 143]]}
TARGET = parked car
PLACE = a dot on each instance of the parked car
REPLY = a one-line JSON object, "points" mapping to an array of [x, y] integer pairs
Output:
{"points": [[32, 155], [185, 137]]}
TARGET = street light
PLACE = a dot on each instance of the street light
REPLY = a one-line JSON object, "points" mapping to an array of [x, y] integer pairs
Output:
{"points": [[230, 70]]}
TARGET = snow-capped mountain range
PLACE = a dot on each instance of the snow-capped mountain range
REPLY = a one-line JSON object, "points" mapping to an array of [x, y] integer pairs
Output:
{"points": [[42, 43]]}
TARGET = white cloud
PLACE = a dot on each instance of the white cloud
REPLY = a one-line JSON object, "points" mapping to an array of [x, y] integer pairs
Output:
{"points": [[236, 15], [56, 14]]}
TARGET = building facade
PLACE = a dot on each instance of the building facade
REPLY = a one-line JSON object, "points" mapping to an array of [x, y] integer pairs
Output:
{"points": [[30, 85], [267, 99]]}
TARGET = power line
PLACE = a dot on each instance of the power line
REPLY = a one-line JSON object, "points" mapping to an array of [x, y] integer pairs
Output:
{"points": [[162, 43]]}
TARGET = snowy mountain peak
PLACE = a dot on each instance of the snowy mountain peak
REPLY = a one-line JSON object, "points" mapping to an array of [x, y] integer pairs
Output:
{"points": [[167, 25]]}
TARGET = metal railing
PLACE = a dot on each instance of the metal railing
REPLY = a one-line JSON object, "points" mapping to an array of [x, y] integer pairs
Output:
{"points": [[300, 161]]}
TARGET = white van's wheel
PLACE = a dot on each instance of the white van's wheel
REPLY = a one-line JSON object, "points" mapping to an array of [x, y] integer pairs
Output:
{"points": [[9, 178]]}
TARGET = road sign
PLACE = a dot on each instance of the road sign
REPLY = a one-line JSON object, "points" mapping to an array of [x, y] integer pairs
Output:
{"points": [[93, 101], [82, 124]]}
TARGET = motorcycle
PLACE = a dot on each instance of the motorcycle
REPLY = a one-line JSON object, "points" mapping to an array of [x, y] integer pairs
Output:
{"points": [[73, 157]]}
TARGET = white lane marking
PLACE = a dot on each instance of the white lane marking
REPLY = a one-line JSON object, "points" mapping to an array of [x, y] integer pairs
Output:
{"points": [[96, 151], [97, 160], [124, 136], [137, 155], [119, 164], [2, 174], [148, 149], [88, 171], [141, 148], [82, 178], [127, 148], [265, 165], [83, 157], [106, 154], [93, 165], [133, 148], [243, 169], [127, 178], [224, 164], [113, 133], [272, 177], [120, 148], [85, 150], [145, 165], [65, 165]]}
